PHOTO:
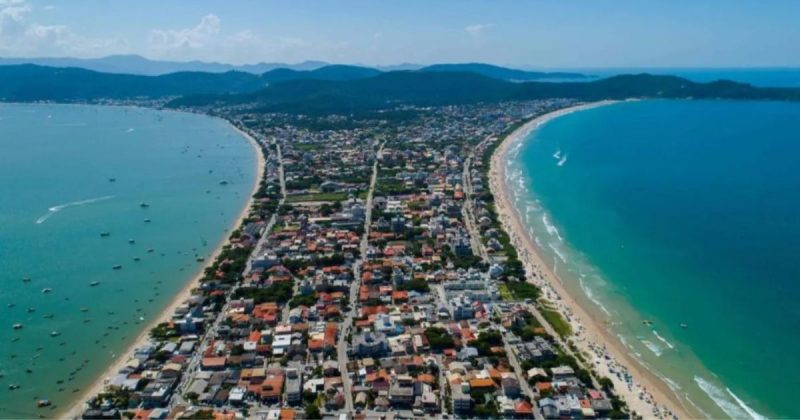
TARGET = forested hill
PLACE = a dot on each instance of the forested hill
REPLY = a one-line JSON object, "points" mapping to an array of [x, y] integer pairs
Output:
{"points": [[503, 73], [343, 89], [443, 88], [29, 82]]}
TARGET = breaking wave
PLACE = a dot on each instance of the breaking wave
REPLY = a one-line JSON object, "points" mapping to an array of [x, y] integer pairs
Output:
{"points": [[727, 400], [551, 229], [663, 340], [653, 347]]}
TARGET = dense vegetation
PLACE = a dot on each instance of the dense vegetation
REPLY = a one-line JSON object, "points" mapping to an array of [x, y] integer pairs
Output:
{"points": [[444, 88], [439, 338], [350, 89], [279, 292], [502, 73]]}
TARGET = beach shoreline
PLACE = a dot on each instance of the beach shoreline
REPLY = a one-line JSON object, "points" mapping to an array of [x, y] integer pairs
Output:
{"points": [[648, 394], [77, 407]]}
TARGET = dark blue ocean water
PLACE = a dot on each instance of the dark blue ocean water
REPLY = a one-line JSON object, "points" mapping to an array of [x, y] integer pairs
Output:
{"points": [[684, 212]]}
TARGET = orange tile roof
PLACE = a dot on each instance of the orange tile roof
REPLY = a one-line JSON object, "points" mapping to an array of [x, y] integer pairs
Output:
{"points": [[272, 387], [426, 378], [481, 383], [213, 361], [524, 408]]}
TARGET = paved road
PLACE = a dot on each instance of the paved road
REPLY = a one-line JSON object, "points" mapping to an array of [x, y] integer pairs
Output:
{"points": [[468, 210], [341, 348], [194, 363], [526, 388]]}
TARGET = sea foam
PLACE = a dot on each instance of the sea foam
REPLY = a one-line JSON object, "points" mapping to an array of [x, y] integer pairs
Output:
{"points": [[551, 229], [653, 347], [727, 400], [663, 340]]}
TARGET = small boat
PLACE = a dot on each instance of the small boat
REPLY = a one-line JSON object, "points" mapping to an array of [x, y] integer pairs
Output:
{"points": [[117, 267], [47, 290], [147, 220], [200, 259], [17, 326], [43, 403], [11, 305], [94, 283], [31, 309], [54, 333], [223, 183], [136, 258], [105, 234], [684, 325], [26, 280], [112, 179], [143, 205], [13, 387], [131, 241], [150, 250]]}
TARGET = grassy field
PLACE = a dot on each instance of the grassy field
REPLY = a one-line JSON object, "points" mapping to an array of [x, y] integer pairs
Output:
{"points": [[523, 290], [300, 198], [505, 293], [554, 318]]}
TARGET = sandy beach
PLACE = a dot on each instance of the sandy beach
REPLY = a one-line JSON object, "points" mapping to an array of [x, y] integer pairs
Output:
{"points": [[647, 394], [76, 409]]}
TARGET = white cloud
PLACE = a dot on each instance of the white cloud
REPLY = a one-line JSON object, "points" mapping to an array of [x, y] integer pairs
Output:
{"points": [[478, 28], [12, 17], [20, 35], [184, 42]]}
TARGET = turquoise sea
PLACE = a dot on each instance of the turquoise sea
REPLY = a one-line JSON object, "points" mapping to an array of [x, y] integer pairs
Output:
{"points": [[69, 173], [680, 212]]}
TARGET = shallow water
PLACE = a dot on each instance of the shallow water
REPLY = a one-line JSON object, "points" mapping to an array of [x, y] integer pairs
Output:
{"points": [[57, 163]]}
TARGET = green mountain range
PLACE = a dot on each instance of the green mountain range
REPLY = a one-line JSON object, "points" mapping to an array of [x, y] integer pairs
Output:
{"points": [[343, 89], [443, 88]]}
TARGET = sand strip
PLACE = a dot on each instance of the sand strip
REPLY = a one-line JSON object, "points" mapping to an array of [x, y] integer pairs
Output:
{"points": [[648, 394], [77, 407]]}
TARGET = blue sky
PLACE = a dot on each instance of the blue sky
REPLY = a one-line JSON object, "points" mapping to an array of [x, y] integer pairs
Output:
{"points": [[536, 34]]}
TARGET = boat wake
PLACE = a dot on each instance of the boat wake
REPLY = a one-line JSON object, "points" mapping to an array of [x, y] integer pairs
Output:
{"points": [[727, 400], [55, 209], [562, 161]]}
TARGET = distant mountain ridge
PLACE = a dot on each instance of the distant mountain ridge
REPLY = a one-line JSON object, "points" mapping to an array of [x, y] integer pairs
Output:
{"points": [[346, 89], [138, 65], [330, 72], [28, 82], [453, 88], [503, 73]]}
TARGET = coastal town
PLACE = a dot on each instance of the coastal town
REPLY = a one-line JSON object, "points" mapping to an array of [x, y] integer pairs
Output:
{"points": [[372, 278]]}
